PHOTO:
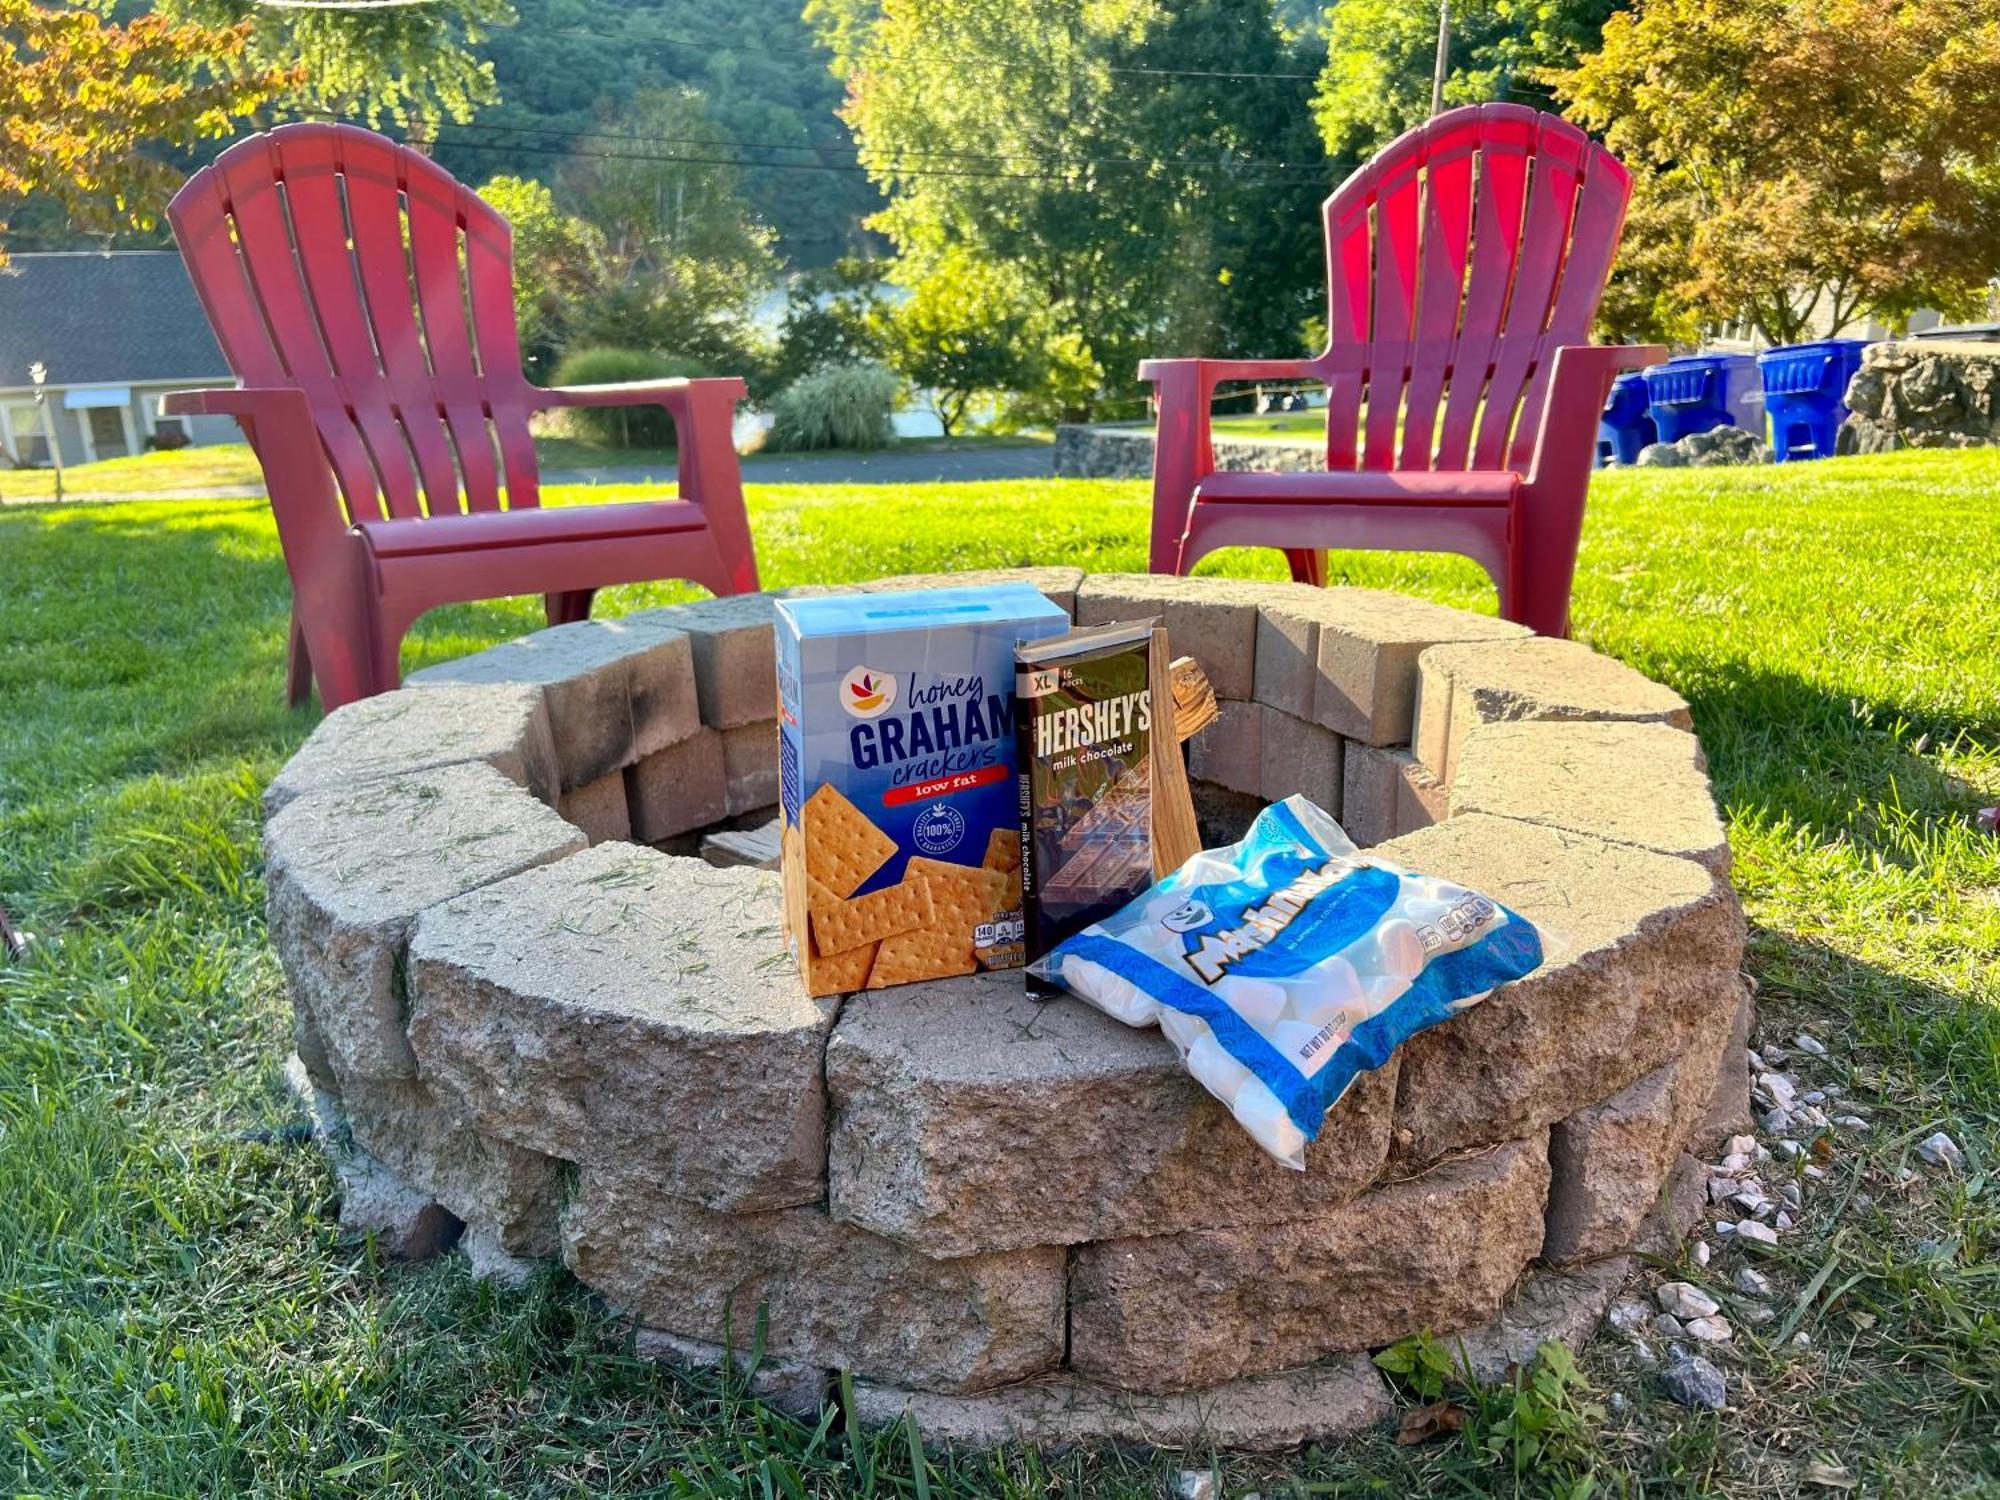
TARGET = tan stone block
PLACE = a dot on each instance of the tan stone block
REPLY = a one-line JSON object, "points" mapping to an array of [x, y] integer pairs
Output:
{"points": [[1729, 1105], [683, 787], [392, 734], [1214, 620], [943, 1097], [1633, 783], [629, 1009], [734, 656], [348, 871], [1297, 757], [1270, 1413], [1641, 953], [834, 1296], [1460, 686], [617, 689], [1369, 642], [750, 767], [1386, 792], [1229, 753], [1440, 1251], [599, 809]]}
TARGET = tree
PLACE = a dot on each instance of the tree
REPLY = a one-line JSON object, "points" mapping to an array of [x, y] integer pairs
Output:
{"points": [[559, 266], [832, 317], [1800, 162], [1146, 173], [686, 259], [411, 64], [1380, 56], [962, 332], [83, 99]]}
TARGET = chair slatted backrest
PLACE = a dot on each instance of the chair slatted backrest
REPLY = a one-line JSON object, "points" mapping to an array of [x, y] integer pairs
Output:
{"points": [[1458, 261], [332, 260]]}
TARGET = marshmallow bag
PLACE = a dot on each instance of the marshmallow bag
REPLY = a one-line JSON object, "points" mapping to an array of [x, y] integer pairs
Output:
{"points": [[1284, 965]]}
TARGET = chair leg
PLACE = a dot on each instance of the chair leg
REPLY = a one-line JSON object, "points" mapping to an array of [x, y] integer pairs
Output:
{"points": [[712, 478], [568, 608], [1308, 565], [298, 666]]}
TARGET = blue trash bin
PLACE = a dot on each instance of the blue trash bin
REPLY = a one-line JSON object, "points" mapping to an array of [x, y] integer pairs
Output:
{"points": [[1805, 393], [1703, 391], [1627, 424]]}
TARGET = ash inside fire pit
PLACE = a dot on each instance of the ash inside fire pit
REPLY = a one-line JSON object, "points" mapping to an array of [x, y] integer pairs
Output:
{"points": [[552, 1028]]}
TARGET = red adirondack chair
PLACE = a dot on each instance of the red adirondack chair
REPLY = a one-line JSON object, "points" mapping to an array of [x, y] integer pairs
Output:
{"points": [[365, 301], [1464, 265]]}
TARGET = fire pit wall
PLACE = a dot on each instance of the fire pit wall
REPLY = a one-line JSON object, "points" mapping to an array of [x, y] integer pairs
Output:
{"points": [[548, 1038]]}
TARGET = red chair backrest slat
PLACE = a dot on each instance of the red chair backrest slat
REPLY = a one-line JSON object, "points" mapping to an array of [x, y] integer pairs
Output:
{"points": [[1458, 261], [333, 260]]}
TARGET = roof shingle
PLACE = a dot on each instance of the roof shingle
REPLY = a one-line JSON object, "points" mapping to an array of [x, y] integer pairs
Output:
{"points": [[124, 318]]}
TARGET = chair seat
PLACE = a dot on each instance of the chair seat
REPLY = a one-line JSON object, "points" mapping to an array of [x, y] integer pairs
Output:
{"points": [[1370, 486], [536, 526]]}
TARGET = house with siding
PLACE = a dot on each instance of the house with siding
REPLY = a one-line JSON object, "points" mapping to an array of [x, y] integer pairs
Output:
{"points": [[113, 332]]}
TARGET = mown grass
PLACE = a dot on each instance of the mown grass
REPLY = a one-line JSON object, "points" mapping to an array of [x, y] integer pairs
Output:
{"points": [[177, 1318]]}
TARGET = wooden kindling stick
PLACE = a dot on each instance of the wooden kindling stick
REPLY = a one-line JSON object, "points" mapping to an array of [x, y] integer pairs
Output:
{"points": [[1176, 838]]}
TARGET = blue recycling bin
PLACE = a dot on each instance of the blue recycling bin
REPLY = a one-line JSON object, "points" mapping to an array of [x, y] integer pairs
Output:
{"points": [[1703, 391], [1627, 424], [1805, 393]]}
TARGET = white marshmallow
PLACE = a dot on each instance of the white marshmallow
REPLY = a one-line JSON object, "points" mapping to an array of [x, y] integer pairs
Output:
{"points": [[1116, 997], [1182, 1029], [1214, 1069], [1326, 991], [1258, 1001], [1258, 1111]]}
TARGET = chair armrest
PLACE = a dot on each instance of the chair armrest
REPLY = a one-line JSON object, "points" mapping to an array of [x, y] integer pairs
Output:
{"points": [[1209, 373], [279, 401], [277, 421], [1579, 383]]}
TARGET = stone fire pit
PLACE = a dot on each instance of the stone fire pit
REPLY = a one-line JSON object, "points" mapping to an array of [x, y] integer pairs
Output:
{"points": [[548, 1040]]}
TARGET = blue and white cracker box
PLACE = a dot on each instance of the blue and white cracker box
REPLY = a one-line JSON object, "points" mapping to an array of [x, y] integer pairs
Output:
{"points": [[902, 844]]}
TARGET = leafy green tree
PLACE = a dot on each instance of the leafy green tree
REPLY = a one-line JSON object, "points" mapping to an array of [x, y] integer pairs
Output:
{"points": [[686, 259], [832, 317], [414, 65], [964, 331], [1138, 169], [1380, 56], [1799, 162], [771, 102], [559, 266], [84, 101]]}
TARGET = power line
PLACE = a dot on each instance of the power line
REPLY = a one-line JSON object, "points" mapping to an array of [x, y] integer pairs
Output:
{"points": [[853, 148], [971, 59]]}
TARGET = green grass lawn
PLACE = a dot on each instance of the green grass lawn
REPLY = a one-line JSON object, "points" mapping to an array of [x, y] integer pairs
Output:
{"points": [[225, 466], [1301, 426], [176, 1317]]}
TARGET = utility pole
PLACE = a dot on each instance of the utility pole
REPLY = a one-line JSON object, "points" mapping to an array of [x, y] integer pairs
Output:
{"points": [[1443, 56]]}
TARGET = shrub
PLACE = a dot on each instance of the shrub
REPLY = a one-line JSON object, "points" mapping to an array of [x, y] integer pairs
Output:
{"points": [[620, 426], [847, 406]]}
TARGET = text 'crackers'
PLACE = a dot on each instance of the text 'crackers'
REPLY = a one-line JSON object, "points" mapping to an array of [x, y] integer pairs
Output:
{"points": [[896, 728]]}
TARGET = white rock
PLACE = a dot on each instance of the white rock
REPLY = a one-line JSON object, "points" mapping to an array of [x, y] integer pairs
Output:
{"points": [[1815, 1173], [1721, 1189], [1754, 1314], [1629, 1318], [1752, 1282], [1735, 1161], [1941, 1150], [1778, 1088], [1756, 1059], [1711, 1330], [1784, 1220], [1741, 1145], [1758, 1234], [1793, 1198], [1724, 1227], [1194, 1484], [1814, 1096], [1667, 1326], [1806, 1042], [1811, 1115], [1685, 1300], [1789, 1149], [1777, 1121], [1801, 1340], [1701, 1252], [1775, 1055]]}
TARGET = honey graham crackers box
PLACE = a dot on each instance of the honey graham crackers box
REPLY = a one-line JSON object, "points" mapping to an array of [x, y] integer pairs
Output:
{"points": [[897, 760]]}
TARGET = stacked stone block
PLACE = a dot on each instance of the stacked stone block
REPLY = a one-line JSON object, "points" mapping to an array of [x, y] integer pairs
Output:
{"points": [[1010, 1219]]}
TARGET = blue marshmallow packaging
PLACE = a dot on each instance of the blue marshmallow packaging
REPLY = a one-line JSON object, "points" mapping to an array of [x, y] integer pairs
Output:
{"points": [[1285, 965]]}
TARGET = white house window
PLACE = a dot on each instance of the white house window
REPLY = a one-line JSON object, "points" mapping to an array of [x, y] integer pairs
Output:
{"points": [[24, 433]]}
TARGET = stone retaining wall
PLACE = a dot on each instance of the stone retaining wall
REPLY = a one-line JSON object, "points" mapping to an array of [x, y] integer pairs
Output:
{"points": [[1923, 393], [1012, 1219], [1106, 452]]}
